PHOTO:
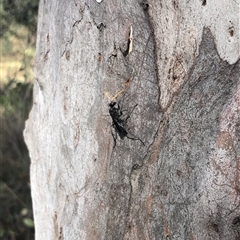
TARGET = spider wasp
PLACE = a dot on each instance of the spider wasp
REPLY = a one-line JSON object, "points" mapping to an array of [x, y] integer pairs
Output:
{"points": [[119, 120]]}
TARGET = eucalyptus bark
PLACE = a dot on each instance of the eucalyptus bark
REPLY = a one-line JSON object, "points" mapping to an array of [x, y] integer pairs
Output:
{"points": [[179, 62]]}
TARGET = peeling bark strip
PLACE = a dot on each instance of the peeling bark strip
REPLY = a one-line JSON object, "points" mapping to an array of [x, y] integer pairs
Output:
{"points": [[178, 63]]}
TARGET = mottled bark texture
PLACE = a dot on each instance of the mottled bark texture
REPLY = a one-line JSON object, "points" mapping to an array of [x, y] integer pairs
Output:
{"points": [[183, 74]]}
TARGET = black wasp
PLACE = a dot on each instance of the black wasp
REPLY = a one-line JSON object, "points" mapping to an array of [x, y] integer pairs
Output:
{"points": [[120, 122]]}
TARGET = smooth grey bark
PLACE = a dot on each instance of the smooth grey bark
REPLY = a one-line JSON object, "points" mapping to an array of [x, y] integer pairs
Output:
{"points": [[183, 74]]}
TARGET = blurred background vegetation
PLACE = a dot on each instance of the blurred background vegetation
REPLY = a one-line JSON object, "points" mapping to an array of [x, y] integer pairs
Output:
{"points": [[17, 38]]}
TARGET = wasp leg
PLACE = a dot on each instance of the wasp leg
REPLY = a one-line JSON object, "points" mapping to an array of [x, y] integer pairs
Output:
{"points": [[130, 113], [114, 138], [135, 139]]}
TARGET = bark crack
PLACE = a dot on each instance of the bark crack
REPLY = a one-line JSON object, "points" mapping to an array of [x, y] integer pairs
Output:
{"points": [[145, 7]]}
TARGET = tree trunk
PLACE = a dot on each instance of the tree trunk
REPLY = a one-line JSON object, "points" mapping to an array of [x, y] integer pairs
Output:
{"points": [[175, 65]]}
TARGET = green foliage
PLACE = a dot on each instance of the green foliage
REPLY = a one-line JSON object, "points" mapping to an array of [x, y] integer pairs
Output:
{"points": [[28, 222], [17, 39], [15, 99], [17, 52], [22, 12], [16, 209]]}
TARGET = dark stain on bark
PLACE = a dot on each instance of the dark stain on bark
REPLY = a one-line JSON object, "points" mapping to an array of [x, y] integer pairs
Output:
{"points": [[144, 4], [236, 221], [67, 54]]}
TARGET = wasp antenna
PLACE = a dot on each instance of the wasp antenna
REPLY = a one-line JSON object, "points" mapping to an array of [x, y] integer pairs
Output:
{"points": [[118, 94], [108, 96]]}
